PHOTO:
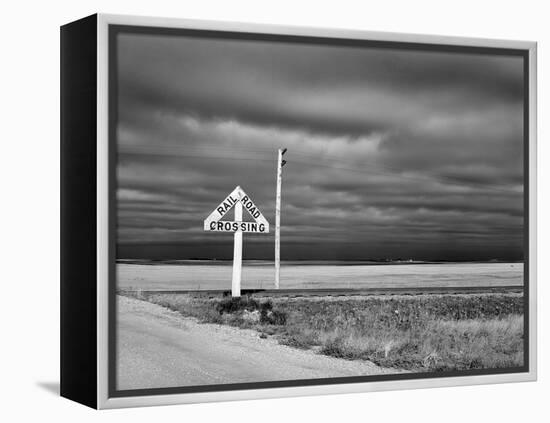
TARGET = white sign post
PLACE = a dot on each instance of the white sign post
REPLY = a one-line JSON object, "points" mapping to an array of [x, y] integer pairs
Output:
{"points": [[239, 200], [237, 253]]}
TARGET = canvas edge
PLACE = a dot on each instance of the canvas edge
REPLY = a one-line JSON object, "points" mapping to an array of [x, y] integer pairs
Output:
{"points": [[102, 214], [103, 400], [533, 169]]}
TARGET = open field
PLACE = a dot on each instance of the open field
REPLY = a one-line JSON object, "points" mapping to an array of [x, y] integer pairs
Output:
{"points": [[198, 275], [417, 333]]}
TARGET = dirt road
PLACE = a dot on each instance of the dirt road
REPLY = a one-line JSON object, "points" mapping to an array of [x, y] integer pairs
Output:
{"points": [[159, 348]]}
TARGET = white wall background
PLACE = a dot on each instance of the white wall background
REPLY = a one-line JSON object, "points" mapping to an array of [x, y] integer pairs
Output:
{"points": [[29, 300]]}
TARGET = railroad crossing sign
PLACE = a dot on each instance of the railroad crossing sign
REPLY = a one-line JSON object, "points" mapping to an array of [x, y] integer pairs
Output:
{"points": [[214, 223], [237, 199]]}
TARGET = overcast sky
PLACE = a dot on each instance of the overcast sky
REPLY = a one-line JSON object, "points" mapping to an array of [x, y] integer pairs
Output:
{"points": [[391, 153]]}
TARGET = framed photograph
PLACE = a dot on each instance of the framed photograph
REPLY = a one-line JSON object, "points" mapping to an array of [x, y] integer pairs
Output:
{"points": [[253, 211]]}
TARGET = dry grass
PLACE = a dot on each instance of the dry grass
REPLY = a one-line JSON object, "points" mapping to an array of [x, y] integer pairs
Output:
{"points": [[421, 333], [440, 345]]}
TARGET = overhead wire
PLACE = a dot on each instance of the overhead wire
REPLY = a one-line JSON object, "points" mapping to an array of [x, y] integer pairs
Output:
{"points": [[311, 160]]}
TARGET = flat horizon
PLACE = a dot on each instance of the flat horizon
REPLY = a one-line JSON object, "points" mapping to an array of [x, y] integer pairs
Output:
{"points": [[376, 261]]}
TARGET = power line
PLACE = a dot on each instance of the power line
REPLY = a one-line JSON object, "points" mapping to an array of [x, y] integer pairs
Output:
{"points": [[171, 151], [417, 178], [395, 172], [196, 156]]}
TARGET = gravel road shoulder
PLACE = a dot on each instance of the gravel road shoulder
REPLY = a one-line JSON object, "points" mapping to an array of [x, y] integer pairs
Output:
{"points": [[159, 348]]}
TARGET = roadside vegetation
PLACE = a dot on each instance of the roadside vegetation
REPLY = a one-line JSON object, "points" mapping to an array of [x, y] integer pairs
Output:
{"points": [[418, 333]]}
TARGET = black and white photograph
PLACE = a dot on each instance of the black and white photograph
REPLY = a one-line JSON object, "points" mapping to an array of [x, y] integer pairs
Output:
{"points": [[297, 210], [275, 212]]}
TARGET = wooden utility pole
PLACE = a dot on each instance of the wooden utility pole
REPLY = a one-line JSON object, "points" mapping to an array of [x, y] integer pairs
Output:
{"points": [[237, 253], [280, 164]]}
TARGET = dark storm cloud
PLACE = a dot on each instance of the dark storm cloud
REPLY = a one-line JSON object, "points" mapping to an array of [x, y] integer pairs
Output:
{"points": [[264, 82], [391, 152]]}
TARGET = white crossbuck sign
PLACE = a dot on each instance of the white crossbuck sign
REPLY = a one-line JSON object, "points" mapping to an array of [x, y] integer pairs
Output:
{"points": [[214, 223], [237, 200]]}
